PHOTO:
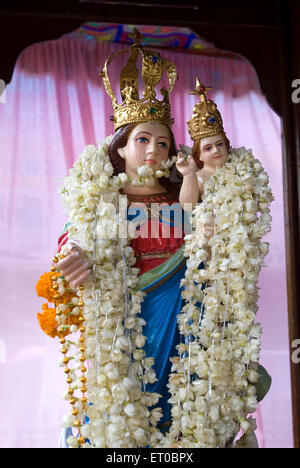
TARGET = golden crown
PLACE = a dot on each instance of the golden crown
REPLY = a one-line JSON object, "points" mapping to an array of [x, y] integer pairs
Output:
{"points": [[206, 120], [148, 108]]}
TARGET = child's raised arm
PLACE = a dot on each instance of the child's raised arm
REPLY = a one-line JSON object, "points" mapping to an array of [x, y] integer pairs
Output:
{"points": [[189, 192]]}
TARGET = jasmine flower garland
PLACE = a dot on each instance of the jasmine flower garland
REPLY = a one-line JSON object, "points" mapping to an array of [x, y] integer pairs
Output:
{"points": [[147, 175], [117, 366], [212, 379]]}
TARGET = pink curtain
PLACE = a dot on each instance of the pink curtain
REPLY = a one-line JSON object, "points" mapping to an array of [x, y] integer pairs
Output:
{"points": [[55, 106]]}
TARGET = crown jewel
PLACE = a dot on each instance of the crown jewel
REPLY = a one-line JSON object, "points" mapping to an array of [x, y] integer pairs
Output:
{"points": [[206, 120], [148, 108]]}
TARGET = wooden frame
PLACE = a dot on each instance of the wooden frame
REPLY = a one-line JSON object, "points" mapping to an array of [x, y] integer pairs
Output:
{"points": [[267, 33]]}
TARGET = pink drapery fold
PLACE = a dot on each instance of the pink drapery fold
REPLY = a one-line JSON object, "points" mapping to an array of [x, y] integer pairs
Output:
{"points": [[55, 106]]}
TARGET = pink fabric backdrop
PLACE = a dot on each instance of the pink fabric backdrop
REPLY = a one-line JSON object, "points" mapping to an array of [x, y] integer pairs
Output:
{"points": [[55, 106]]}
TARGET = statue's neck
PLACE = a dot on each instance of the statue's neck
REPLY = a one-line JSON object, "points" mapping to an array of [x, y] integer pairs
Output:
{"points": [[134, 190]]}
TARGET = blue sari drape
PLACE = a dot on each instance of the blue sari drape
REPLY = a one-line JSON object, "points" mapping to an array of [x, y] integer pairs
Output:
{"points": [[160, 308]]}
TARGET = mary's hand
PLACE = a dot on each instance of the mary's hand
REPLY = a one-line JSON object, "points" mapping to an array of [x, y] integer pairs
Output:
{"points": [[74, 267]]}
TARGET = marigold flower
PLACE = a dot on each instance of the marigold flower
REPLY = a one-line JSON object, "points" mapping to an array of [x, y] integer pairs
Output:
{"points": [[44, 286], [47, 321]]}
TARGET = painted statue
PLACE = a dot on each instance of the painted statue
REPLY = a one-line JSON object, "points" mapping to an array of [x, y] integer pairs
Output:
{"points": [[164, 349]]}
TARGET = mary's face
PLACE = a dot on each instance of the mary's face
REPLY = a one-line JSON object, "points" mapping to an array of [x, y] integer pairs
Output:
{"points": [[148, 144]]}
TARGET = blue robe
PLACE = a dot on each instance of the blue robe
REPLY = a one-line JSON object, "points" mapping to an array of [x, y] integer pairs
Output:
{"points": [[160, 308]]}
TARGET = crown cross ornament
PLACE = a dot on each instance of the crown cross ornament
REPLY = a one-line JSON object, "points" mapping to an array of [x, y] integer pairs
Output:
{"points": [[136, 36], [201, 89], [206, 120], [133, 108]]}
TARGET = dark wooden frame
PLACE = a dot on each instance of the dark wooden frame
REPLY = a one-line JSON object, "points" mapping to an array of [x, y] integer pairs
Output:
{"points": [[264, 31]]}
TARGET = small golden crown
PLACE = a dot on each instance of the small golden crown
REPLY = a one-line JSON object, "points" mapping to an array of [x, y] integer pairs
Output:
{"points": [[148, 108], [206, 120]]}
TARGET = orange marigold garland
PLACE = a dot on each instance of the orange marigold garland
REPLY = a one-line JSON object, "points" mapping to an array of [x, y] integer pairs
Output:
{"points": [[54, 287], [65, 318]]}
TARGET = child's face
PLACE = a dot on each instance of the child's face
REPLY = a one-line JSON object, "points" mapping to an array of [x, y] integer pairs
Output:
{"points": [[213, 151]]}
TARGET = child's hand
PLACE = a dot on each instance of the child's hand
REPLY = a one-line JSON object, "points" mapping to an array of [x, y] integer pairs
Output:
{"points": [[187, 165]]}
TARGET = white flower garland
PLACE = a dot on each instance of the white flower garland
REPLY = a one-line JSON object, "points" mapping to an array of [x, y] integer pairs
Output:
{"points": [[212, 378], [119, 415], [147, 175], [212, 381]]}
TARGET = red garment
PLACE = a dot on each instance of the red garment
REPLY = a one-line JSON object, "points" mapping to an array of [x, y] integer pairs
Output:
{"points": [[62, 240], [168, 241]]}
